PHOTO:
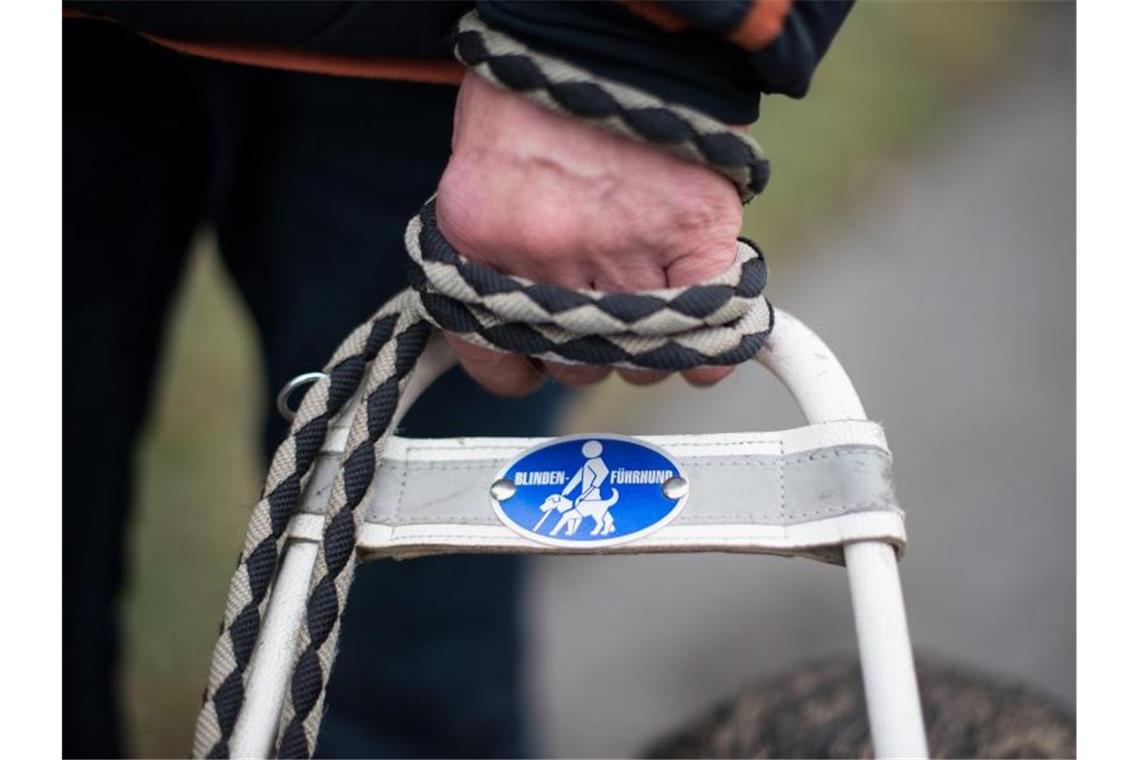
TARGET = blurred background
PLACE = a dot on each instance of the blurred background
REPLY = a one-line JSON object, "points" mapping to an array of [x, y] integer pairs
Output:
{"points": [[921, 219]]}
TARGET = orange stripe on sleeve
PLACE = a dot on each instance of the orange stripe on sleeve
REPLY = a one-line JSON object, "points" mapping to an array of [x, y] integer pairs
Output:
{"points": [[657, 15], [762, 24], [431, 71]]}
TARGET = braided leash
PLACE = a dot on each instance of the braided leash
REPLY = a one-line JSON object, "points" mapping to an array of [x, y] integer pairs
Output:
{"points": [[717, 323], [559, 86], [724, 321], [264, 539]]}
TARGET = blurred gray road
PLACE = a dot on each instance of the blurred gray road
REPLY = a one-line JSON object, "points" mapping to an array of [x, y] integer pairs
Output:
{"points": [[949, 296]]}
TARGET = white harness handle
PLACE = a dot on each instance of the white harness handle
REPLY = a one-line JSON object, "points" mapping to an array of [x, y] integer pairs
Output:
{"points": [[867, 538]]}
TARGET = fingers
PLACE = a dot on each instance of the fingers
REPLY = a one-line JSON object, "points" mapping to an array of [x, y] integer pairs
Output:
{"points": [[503, 374], [642, 376], [703, 377], [514, 376], [576, 374], [582, 374]]}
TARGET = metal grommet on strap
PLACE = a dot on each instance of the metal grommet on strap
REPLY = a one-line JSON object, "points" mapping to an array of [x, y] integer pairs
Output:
{"points": [[307, 378]]}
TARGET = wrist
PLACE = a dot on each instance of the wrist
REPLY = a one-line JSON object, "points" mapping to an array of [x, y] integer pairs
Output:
{"points": [[557, 199]]}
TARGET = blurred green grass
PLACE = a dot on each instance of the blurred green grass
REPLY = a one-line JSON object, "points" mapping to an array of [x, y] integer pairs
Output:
{"points": [[893, 76]]}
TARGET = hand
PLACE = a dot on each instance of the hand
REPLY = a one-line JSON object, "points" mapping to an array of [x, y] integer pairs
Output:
{"points": [[544, 196]]}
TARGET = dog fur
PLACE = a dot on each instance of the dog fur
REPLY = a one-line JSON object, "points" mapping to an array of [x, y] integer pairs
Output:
{"points": [[818, 711]]}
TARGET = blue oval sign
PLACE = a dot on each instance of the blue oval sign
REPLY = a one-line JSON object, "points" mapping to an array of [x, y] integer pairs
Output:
{"points": [[589, 490]]}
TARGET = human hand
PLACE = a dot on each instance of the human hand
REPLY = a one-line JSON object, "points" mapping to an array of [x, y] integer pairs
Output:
{"points": [[554, 199]]}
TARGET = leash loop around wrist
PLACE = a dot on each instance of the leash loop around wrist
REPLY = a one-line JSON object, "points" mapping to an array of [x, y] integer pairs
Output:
{"points": [[571, 90]]}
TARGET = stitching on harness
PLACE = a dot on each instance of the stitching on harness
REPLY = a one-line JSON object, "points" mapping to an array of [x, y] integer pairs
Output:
{"points": [[780, 481], [737, 460], [748, 517]]}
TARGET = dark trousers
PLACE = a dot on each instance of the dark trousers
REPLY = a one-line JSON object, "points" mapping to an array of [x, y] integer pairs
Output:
{"points": [[308, 181]]}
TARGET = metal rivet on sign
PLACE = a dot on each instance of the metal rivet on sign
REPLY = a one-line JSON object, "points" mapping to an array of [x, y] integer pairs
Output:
{"points": [[503, 489], [675, 487]]}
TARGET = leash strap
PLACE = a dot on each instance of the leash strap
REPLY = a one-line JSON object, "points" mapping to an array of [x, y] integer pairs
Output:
{"points": [[562, 87], [722, 322], [265, 536]]}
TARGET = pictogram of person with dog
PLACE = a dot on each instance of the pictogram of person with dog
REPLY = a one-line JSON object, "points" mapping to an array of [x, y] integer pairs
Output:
{"points": [[589, 478]]}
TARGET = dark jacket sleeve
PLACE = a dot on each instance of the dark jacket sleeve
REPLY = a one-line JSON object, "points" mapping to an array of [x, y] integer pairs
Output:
{"points": [[401, 29], [717, 56]]}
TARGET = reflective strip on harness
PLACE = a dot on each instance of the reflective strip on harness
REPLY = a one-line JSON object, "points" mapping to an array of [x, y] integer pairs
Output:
{"points": [[804, 491]]}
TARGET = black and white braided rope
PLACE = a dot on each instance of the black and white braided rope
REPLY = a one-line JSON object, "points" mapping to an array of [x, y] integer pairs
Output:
{"points": [[560, 86], [264, 539], [336, 556], [721, 322]]}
